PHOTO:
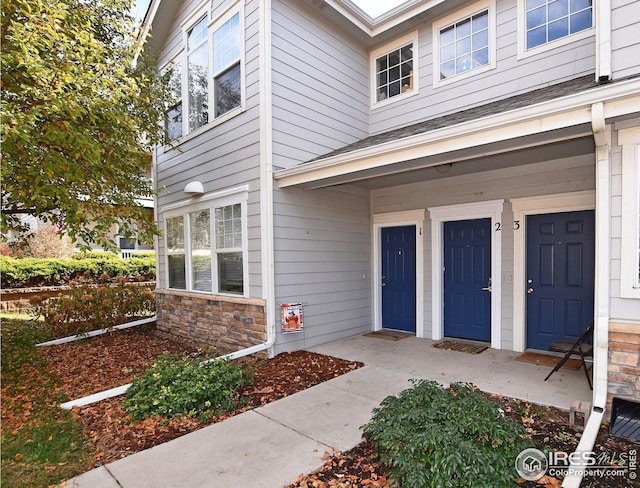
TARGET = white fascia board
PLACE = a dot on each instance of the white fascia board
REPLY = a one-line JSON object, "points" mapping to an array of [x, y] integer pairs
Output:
{"points": [[619, 99], [373, 27]]}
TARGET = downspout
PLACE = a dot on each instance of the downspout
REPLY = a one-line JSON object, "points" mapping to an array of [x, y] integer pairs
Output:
{"points": [[602, 137], [266, 187], [603, 41], [266, 175]]}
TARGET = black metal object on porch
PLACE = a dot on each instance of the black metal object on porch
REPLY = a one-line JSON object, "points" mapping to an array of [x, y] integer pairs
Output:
{"points": [[579, 348], [625, 419]]}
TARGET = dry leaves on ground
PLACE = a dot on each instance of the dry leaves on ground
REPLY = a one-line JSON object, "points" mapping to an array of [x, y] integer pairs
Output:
{"points": [[113, 359]]}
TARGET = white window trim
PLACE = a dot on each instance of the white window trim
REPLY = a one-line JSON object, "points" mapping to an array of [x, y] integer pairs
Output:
{"points": [[480, 210], [523, 52], [214, 25], [181, 57], [546, 204], [412, 37], [629, 139], [394, 219], [176, 60], [210, 201], [467, 12]]}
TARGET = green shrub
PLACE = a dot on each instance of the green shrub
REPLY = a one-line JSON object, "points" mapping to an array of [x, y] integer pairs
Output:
{"points": [[85, 307], [28, 272], [431, 436], [174, 387]]}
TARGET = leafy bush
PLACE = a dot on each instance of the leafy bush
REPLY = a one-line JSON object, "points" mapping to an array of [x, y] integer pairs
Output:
{"points": [[86, 307], [173, 387], [431, 436], [17, 273]]}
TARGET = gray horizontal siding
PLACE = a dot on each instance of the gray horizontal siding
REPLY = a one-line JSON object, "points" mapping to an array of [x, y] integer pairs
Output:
{"points": [[511, 76], [625, 40], [222, 156], [320, 86], [322, 259]]}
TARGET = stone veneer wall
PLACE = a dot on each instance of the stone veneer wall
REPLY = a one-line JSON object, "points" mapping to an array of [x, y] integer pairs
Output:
{"points": [[225, 323], [624, 361]]}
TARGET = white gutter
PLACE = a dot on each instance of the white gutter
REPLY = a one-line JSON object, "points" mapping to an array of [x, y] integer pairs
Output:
{"points": [[602, 136], [603, 41], [620, 98]]}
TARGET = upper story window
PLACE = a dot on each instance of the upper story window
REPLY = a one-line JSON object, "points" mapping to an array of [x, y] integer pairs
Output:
{"points": [[173, 127], [548, 20], [206, 247], [394, 69], [207, 75], [226, 66], [543, 24], [629, 139], [463, 42], [198, 75]]}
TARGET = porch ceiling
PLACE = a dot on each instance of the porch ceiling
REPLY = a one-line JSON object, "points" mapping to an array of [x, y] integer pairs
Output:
{"points": [[505, 154]]}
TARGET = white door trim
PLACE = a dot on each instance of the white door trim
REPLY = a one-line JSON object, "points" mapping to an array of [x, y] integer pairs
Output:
{"points": [[396, 219], [479, 210], [561, 202]]}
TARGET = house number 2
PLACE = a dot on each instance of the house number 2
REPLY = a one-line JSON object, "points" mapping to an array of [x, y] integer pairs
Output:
{"points": [[498, 227]]}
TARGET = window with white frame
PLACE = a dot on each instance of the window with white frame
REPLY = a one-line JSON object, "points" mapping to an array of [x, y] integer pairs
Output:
{"points": [[463, 42], [198, 75], [629, 139], [549, 20], [173, 123], [205, 248], [226, 66], [206, 77], [394, 68]]}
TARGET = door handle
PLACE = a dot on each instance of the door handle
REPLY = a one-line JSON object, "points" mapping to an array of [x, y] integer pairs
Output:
{"points": [[488, 288], [529, 290], [382, 283]]}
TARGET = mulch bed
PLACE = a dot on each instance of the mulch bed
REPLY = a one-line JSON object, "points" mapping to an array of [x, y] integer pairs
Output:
{"points": [[113, 359]]}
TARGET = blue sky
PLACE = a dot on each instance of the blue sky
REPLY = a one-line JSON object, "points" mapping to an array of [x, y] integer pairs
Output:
{"points": [[140, 8]]}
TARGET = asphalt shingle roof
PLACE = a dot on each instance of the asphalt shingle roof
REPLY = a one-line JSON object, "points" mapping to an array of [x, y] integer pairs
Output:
{"points": [[545, 94]]}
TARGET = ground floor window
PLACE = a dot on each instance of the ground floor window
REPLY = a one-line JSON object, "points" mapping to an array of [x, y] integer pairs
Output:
{"points": [[205, 248]]}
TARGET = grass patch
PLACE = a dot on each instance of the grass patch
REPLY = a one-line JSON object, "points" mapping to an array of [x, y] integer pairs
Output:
{"points": [[42, 444]]}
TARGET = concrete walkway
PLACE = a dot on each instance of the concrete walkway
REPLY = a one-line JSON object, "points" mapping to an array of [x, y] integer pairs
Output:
{"points": [[271, 445]]}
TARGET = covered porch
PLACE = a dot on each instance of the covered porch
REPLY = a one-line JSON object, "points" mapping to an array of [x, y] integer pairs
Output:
{"points": [[493, 370]]}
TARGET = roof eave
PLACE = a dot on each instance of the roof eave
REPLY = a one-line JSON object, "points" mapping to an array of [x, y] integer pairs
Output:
{"points": [[383, 23], [619, 99]]}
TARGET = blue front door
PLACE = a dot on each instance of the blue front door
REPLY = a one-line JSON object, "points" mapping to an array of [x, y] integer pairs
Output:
{"points": [[467, 273], [399, 278], [560, 276]]}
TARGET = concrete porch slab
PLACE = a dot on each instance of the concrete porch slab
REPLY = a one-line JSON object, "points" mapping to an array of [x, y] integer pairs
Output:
{"points": [[493, 371], [241, 451], [333, 412]]}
